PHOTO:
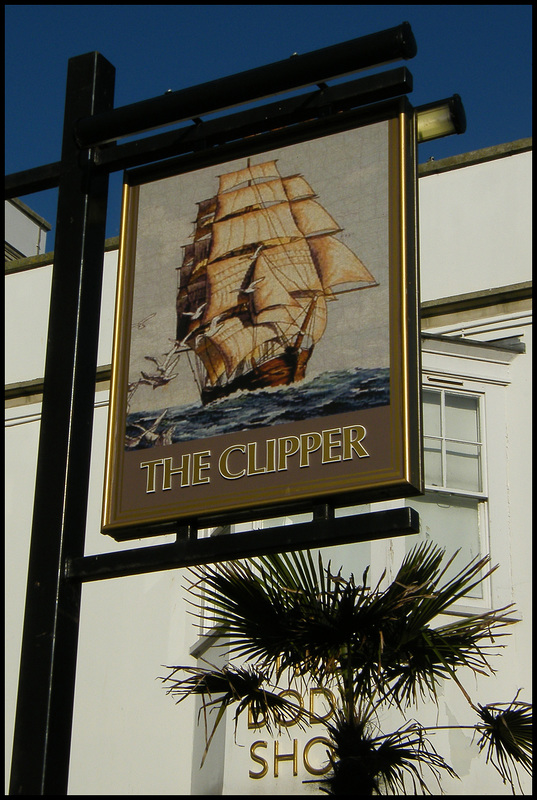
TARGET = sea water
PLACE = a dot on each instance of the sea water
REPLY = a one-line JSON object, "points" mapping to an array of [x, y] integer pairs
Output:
{"points": [[325, 395]]}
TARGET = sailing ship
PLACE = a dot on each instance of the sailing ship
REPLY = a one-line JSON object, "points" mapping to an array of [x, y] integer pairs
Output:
{"points": [[254, 282]]}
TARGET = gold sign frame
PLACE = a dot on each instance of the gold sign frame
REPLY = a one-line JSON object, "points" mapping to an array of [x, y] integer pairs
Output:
{"points": [[297, 418]]}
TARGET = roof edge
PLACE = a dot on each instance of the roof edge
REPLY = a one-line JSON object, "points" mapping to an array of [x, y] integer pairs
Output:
{"points": [[475, 157]]}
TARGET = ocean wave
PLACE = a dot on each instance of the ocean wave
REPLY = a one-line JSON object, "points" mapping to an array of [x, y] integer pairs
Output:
{"points": [[325, 395]]}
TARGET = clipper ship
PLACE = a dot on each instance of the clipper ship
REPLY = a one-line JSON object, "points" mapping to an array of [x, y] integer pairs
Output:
{"points": [[254, 283]]}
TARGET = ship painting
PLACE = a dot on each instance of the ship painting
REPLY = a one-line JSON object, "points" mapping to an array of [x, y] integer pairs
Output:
{"points": [[255, 283]]}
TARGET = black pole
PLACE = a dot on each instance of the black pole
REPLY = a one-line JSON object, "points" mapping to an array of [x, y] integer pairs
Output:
{"points": [[384, 47], [40, 763]]}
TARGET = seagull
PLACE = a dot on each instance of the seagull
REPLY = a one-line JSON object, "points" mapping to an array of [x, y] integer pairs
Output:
{"points": [[149, 433], [249, 289], [141, 324], [195, 314], [156, 380], [164, 367], [214, 326]]}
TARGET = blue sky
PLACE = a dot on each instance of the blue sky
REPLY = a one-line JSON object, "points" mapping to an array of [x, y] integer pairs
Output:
{"points": [[482, 52]]}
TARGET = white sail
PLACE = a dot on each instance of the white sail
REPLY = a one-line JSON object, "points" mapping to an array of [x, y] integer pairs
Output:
{"points": [[287, 266], [194, 254], [289, 320], [259, 195], [272, 225], [337, 265], [313, 219], [297, 188], [212, 359], [253, 172], [236, 342], [225, 279]]}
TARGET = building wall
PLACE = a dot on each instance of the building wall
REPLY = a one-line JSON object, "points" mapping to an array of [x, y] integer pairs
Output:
{"points": [[475, 221], [128, 735], [26, 231]]}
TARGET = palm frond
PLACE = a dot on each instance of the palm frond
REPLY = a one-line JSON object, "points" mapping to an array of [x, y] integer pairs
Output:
{"points": [[289, 612], [280, 606], [417, 665], [506, 732], [247, 688], [413, 656], [379, 764], [284, 608]]}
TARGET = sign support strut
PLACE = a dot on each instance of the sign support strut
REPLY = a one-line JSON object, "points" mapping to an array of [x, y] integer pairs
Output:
{"points": [[40, 763]]}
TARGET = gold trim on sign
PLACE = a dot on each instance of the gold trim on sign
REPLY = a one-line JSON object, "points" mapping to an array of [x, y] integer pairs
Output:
{"points": [[120, 348], [399, 470], [404, 299]]}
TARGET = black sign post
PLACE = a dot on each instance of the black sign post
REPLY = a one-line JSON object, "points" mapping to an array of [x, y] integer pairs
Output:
{"points": [[57, 566], [49, 645]]}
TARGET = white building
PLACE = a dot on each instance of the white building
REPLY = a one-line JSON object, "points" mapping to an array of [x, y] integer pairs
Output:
{"points": [[128, 736], [27, 231]]}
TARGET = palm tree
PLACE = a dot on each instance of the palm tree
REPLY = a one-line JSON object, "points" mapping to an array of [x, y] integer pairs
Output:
{"points": [[287, 614]]}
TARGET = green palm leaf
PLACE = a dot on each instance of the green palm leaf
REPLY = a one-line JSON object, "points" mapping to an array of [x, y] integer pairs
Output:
{"points": [[379, 764], [246, 688], [507, 735], [289, 613]]}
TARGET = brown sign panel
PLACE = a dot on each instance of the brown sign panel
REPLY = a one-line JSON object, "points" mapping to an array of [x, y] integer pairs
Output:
{"points": [[266, 341]]}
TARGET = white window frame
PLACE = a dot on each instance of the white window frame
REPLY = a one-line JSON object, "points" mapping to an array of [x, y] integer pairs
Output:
{"points": [[449, 386], [463, 366], [443, 439]]}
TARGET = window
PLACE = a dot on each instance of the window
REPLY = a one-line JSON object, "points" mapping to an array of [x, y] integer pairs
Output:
{"points": [[452, 441], [453, 511]]}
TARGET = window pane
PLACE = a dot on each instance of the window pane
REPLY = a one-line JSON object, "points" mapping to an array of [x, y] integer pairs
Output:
{"points": [[463, 467], [432, 454], [431, 413], [462, 417], [453, 523]]}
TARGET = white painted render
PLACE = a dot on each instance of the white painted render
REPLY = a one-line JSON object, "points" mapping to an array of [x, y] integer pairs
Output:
{"points": [[25, 230], [474, 222]]}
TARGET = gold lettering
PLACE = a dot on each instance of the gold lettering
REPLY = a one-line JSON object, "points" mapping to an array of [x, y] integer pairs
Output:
{"points": [[309, 442], [253, 469], [271, 455], [329, 696], [259, 760], [287, 446], [285, 757], [328, 445], [225, 472], [307, 748], [352, 438], [183, 471], [255, 722], [287, 723], [198, 466], [151, 466]]}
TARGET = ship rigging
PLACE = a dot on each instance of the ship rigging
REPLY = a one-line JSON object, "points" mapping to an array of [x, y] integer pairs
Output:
{"points": [[255, 281]]}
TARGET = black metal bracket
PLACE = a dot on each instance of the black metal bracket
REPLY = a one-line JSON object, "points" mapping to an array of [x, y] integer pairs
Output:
{"points": [[205, 134], [188, 550], [384, 47]]}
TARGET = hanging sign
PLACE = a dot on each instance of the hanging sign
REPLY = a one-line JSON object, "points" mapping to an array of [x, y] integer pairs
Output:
{"points": [[266, 339]]}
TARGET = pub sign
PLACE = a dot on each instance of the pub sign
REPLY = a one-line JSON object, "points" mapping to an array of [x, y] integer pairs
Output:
{"points": [[266, 339]]}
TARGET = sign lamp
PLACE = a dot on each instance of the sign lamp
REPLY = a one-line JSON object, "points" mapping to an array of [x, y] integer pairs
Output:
{"points": [[442, 118]]}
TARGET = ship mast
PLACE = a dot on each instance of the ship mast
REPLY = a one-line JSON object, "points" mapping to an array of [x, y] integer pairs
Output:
{"points": [[307, 319]]}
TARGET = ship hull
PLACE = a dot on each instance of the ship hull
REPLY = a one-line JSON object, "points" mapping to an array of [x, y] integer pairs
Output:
{"points": [[282, 370]]}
